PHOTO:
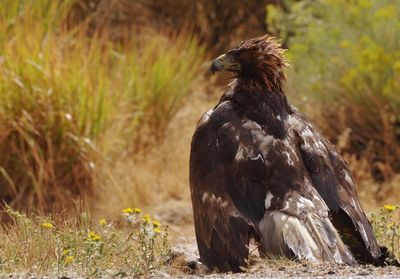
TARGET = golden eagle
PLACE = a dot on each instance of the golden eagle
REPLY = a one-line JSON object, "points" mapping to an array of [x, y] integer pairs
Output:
{"points": [[259, 169]]}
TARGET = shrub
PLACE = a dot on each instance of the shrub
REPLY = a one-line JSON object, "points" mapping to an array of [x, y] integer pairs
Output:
{"points": [[345, 71], [386, 224], [68, 101]]}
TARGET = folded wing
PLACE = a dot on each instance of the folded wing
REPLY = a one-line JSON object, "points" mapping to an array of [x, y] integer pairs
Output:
{"points": [[332, 179]]}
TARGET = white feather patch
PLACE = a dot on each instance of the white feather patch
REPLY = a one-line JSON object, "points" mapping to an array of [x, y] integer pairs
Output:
{"points": [[206, 116], [268, 200], [348, 178], [205, 197]]}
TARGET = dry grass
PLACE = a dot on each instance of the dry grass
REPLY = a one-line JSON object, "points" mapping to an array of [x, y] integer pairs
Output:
{"points": [[76, 245], [159, 175], [133, 244], [70, 105]]}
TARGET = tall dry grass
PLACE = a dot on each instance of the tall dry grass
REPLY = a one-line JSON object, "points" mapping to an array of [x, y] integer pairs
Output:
{"points": [[70, 105]]}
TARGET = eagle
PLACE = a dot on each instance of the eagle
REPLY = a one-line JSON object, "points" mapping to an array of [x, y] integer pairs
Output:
{"points": [[259, 170]]}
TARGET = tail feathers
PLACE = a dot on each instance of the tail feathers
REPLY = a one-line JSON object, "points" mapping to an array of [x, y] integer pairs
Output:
{"points": [[331, 245], [360, 240], [313, 238]]}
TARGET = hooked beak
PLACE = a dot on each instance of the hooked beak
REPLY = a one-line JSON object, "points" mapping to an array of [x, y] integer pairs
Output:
{"points": [[224, 63]]}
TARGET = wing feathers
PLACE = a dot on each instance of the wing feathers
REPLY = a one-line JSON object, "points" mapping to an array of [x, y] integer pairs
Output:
{"points": [[313, 239], [332, 179], [222, 232]]}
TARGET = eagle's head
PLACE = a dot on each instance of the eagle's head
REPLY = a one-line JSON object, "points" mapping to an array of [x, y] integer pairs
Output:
{"points": [[260, 60]]}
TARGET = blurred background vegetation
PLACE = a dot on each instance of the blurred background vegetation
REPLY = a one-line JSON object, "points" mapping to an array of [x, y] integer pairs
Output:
{"points": [[99, 98], [345, 74]]}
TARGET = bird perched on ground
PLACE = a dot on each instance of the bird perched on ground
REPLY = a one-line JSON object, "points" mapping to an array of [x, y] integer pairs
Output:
{"points": [[259, 169]]}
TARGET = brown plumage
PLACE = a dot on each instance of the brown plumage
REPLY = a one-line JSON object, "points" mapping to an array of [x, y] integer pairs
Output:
{"points": [[258, 169]]}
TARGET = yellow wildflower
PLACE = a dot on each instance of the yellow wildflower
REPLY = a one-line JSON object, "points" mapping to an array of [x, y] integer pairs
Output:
{"points": [[93, 236], [68, 259], [96, 238], [102, 222], [156, 224], [389, 207], [47, 225], [146, 219], [127, 210], [390, 225], [137, 210], [157, 230], [66, 252]]}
